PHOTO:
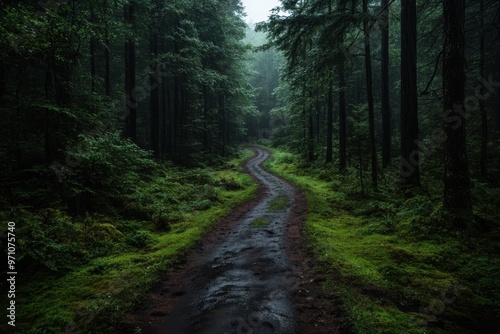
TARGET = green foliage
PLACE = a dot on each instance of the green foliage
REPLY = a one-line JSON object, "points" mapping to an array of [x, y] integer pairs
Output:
{"points": [[107, 168], [93, 269], [140, 239], [397, 264], [49, 239]]}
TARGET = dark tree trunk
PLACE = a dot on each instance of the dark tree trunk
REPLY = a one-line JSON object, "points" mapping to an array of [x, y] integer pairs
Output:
{"points": [[130, 68], [329, 130], [163, 132], [410, 169], [497, 63], [342, 114], [93, 47], [205, 118], [107, 61], [457, 192], [176, 119], [369, 87], [310, 139], [3, 87], [154, 82], [482, 109], [386, 107], [318, 108], [223, 127]]}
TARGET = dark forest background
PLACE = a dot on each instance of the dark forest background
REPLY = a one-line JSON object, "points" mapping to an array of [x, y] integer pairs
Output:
{"points": [[122, 119]]}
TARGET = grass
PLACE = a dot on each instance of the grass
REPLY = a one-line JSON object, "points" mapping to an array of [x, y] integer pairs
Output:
{"points": [[391, 261], [260, 222], [278, 203], [92, 298]]}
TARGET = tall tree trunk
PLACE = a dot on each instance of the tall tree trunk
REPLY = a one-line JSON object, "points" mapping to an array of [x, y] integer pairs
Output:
{"points": [[497, 64], [342, 103], [329, 130], [163, 134], [410, 169], [176, 132], [93, 48], [369, 87], [342, 111], [222, 102], [205, 118], [386, 107], [107, 61], [457, 192], [482, 109], [310, 135], [154, 81], [130, 68], [3, 87]]}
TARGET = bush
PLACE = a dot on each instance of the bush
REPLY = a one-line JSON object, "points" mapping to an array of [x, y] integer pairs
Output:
{"points": [[139, 239], [105, 169], [49, 239]]}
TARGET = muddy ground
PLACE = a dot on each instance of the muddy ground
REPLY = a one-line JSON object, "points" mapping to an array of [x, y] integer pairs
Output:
{"points": [[251, 274]]}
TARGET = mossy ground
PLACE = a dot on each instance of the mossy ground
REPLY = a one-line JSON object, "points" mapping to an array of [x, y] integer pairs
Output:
{"points": [[390, 257], [278, 203], [260, 222], [93, 297]]}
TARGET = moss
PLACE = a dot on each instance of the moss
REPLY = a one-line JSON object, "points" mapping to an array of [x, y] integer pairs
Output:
{"points": [[260, 222], [278, 203], [395, 262], [93, 297]]}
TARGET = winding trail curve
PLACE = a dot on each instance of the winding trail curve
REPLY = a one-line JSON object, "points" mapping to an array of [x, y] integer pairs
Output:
{"points": [[238, 287], [251, 279]]}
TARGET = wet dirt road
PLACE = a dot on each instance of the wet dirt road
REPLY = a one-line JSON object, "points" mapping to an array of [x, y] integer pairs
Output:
{"points": [[242, 284]]}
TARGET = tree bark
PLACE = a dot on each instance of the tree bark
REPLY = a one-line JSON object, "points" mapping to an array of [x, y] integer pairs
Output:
{"points": [[410, 169], [329, 130], [386, 107], [342, 112], [222, 102], [93, 48], [457, 192], [310, 135], [205, 118], [107, 61], [482, 109], [369, 87], [3, 87], [130, 68], [154, 79]]}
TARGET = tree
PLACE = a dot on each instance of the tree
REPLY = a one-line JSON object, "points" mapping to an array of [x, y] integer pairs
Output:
{"points": [[153, 77], [130, 66], [410, 168], [482, 109], [457, 189], [369, 87], [386, 107], [329, 131], [342, 109]]}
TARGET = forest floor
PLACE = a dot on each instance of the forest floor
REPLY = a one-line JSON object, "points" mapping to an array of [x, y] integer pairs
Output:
{"points": [[250, 274]]}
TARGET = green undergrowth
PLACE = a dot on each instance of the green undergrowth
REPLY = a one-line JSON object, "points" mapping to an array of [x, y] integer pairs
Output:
{"points": [[391, 257], [82, 275]]}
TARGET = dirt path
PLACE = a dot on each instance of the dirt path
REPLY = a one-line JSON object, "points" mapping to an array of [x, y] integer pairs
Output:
{"points": [[250, 276]]}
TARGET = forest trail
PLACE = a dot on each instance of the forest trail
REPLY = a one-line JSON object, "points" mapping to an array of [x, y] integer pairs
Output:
{"points": [[238, 287], [241, 283]]}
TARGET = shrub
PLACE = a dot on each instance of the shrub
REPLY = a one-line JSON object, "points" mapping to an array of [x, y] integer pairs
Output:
{"points": [[139, 239], [49, 239]]}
